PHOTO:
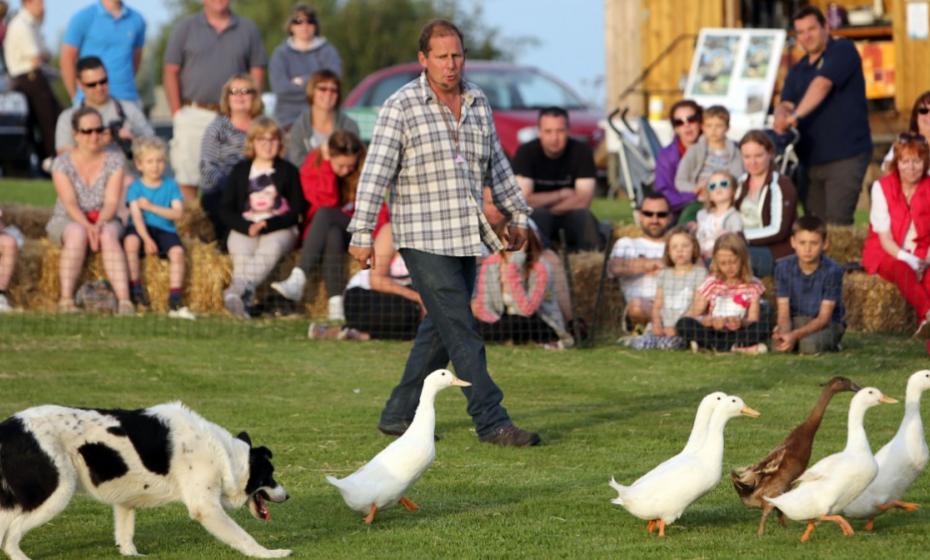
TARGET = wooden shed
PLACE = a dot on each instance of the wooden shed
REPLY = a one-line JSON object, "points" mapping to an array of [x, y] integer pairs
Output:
{"points": [[659, 35]]}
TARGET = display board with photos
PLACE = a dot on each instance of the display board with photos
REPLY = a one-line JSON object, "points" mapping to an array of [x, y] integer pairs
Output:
{"points": [[736, 68]]}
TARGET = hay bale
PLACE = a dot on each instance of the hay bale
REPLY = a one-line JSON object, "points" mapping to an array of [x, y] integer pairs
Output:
{"points": [[26, 274], [845, 243], [46, 297], [29, 219], [195, 224], [586, 276], [208, 274], [874, 305], [627, 230]]}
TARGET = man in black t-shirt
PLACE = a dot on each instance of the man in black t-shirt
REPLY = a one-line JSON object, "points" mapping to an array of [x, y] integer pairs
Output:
{"points": [[557, 176]]}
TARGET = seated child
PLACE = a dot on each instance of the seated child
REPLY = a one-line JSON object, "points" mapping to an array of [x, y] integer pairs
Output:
{"points": [[683, 274], [515, 298], [725, 314], [711, 153], [155, 203], [718, 216], [809, 291], [11, 240]]}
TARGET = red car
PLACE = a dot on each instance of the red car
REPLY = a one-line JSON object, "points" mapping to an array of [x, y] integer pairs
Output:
{"points": [[516, 93]]}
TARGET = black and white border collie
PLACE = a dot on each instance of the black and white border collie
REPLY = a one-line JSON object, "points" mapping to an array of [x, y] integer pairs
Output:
{"points": [[131, 459]]}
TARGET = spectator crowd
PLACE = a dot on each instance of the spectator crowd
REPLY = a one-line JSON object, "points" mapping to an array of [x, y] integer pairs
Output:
{"points": [[719, 218]]}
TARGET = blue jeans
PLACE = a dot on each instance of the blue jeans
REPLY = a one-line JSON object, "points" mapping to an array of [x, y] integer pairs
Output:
{"points": [[448, 331], [763, 262]]}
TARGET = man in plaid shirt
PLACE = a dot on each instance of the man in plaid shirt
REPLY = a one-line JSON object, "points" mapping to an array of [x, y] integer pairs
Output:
{"points": [[433, 149]]}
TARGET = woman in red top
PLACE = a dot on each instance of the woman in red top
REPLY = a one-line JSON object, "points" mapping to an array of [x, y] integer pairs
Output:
{"points": [[899, 226], [329, 177]]}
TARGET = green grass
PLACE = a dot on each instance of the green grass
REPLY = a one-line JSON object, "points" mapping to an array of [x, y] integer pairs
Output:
{"points": [[34, 192], [601, 412]]}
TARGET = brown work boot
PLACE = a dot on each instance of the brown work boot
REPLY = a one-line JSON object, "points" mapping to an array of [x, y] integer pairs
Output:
{"points": [[511, 436]]}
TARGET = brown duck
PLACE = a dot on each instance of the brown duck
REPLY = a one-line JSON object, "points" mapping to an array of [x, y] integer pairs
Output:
{"points": [[773, 475]]}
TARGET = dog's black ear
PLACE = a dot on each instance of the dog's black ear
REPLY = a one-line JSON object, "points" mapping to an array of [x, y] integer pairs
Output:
{"points": [[245, 437], [262, 452]]}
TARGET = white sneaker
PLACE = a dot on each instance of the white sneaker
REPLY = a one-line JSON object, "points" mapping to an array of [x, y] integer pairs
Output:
{"points": [[293, 287], [182, 313], [336, 312], [5, 306]]}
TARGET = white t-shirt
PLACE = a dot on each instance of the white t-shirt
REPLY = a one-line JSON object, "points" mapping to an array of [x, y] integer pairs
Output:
{"points": [[880, 219], [641, 285]]}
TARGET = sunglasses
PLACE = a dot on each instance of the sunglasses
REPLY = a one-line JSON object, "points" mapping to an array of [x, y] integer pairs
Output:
{"points": [[721, 184], [691, 119], [911, 137], [100, 82], [301, 21], [923, 110], [97, 130], [328, 89], [651, 214], [241, 91]]}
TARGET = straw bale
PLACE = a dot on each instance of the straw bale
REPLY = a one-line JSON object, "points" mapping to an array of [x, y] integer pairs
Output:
{"points": [[195, 224], [586, 276], [627, 230], [845, 243], [29, 219], [26, 274], [207, 276], [48, 292], [874, 305]]}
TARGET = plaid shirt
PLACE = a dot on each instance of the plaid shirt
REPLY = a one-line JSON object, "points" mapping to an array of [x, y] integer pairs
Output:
{"points": [[434, 187]]}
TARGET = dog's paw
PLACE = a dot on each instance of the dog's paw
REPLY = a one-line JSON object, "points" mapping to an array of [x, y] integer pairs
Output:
{"points": [[277, 553]]}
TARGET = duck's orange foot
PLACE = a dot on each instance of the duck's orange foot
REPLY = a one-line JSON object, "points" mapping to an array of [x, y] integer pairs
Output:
{"points": [[870, 524], [661, 527], [906, 506], [369, 519], [841, 521], [408, 504], [807, 532], [651, 526]]}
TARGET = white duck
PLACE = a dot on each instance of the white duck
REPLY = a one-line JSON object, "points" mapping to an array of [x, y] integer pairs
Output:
{"points": [[900, 461], [824, 489], [661, 495], [381, 482]]}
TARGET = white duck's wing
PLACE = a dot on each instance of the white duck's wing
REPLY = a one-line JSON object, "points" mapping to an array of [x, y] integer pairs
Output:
{"points": [[820, 470], [666, 492], [384, 479]]}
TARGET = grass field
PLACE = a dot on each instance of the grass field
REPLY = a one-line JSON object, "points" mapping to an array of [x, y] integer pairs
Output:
{"points": [[601, 412]]}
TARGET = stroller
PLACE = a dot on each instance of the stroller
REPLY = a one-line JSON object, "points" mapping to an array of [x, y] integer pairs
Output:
{"points": [[636, 156], [786, 156]]}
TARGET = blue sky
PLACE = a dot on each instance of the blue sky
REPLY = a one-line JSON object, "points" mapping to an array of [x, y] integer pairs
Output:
{"points": [[570, 46]]}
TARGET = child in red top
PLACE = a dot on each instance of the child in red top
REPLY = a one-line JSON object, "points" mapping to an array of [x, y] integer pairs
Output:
{"points": [[726, 312], [329, 177]]}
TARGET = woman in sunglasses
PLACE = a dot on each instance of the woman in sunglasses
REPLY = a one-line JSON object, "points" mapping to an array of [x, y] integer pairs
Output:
{"points": [[919, 124], [685, 117], [767, 202], [323, 117], [899, 226], [295, 60], [89, 184], [223, 145]]}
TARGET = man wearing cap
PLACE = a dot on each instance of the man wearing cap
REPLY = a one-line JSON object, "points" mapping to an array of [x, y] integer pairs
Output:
{"points": [[204, 50]]}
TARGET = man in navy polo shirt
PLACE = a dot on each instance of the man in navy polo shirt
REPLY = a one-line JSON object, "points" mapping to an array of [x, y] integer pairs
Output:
{"points": [[824, 96], [114, 33]]}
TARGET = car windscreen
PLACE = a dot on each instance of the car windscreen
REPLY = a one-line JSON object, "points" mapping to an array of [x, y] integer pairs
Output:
{"points": [[522, 89]]}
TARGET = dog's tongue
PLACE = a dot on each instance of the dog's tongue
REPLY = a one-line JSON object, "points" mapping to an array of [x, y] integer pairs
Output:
{"points": [[262, 508]]}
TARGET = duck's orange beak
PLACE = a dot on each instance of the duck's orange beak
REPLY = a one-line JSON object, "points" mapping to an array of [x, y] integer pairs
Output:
{"points": [[750, 412], [887, 400], [459, 383]]}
